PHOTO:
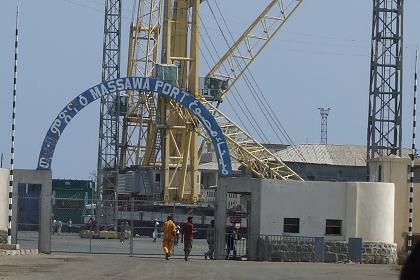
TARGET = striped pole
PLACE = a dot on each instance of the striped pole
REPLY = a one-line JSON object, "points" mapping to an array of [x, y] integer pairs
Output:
{"points": [[413, 153], [12, 149]]}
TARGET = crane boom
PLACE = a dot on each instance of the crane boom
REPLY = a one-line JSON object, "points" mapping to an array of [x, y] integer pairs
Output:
{"points": [[244, 51], [245, 149]]}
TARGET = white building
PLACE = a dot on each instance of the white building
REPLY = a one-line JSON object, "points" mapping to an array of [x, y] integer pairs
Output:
{"points": [[334, 210]]}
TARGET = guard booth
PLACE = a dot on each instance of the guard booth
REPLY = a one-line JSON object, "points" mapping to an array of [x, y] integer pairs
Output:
{"points": [[32, 208], [238, 225]]}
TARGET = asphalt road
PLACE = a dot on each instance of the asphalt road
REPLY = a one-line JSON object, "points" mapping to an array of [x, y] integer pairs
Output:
{"points": [[95, 267]]}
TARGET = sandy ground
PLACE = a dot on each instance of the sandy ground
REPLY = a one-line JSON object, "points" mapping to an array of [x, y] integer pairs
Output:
{"points": [[106, 266]]}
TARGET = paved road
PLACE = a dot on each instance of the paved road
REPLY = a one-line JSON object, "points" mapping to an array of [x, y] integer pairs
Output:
{"points": [[67, 242], [95, 267]]}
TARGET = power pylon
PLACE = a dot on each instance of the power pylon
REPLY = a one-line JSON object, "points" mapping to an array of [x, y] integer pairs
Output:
{"points": [[324, 124]]}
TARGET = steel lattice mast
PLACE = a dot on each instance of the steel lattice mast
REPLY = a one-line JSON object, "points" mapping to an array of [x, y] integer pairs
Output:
{"points": [[324, 124], [385, 94], [109, 110]]}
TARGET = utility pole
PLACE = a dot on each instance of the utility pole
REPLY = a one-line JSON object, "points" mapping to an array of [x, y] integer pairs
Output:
{"points": [[324, 124], [384, 132], [413, 156]]}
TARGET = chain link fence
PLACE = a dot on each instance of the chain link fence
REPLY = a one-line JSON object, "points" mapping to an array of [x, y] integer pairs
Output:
{"points": [[122, 226]]}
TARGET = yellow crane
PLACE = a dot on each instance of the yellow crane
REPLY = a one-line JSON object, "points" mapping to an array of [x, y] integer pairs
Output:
{"points": [[158, 133]]}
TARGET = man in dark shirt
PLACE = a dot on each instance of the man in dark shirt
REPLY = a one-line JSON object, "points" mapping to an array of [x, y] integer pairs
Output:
{"points": [[188, 236]]}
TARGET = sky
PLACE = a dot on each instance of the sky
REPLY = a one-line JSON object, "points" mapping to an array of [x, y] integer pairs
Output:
{"points": [[320, 58]]}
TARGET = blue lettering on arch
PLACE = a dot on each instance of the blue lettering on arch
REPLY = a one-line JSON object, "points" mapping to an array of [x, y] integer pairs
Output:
{"points": [[136, 83]]}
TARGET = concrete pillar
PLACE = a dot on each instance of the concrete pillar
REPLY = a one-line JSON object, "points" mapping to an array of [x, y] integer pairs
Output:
{"points": [[43, 178], [4, 197], [44, 241], [254, 222], [220, 222]]}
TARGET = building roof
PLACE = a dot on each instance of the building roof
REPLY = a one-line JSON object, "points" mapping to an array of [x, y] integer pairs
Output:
{"points": [[330, 154], [212, 165], [353, 155]]}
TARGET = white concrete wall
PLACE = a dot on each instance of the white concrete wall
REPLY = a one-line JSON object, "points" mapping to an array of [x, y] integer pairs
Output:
{"points": [[375, 211], [311, 202], [366, 209], [4, 198], [396, 170]]}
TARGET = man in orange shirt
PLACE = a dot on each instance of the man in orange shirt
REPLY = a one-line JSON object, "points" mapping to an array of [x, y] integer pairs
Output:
{"points": [[169, 231]]}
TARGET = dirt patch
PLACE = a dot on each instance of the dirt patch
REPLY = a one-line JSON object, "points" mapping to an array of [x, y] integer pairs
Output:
{"points": [[66, 259], [10, 269]]}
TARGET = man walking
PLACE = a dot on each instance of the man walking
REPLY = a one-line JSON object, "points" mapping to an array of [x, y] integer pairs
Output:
{"points": [[123, 228], [188, 236], [169, 230], [231, 236], [210, 241], [178, 229], [155, 230]]}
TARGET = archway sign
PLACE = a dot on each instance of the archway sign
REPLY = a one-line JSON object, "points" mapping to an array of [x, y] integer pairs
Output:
{"points": [[136, 83]]}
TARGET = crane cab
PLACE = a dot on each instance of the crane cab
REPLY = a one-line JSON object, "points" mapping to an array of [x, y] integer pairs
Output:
{"points": [[167, 72], [212, 89]]}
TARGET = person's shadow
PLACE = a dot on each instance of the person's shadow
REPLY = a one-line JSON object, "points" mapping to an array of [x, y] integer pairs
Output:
{"points": [[411, 267]]}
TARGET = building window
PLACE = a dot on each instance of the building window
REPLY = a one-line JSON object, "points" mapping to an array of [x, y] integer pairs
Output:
{"points": [[157, 177], [333, 227], [291, 225]]}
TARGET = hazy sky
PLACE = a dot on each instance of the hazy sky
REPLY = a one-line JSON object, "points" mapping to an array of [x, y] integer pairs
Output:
{"points": [[320, 58]]}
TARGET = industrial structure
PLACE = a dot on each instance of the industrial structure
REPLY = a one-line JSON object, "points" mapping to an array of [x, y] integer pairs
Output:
{"points": [[160, 143], [384, 133], [154, 149], [108, 149]]}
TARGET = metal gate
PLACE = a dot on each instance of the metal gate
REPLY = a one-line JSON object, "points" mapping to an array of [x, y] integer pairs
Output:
{"points": [[131, 227], [237, 225], [28, 215]]}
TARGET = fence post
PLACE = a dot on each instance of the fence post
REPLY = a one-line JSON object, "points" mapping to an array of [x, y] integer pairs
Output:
{"points": [[266, 244], [89, 228], [319, 249], [131, 224], [355, 250]]}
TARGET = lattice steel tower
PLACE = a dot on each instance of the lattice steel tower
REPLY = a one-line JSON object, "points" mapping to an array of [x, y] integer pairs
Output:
{"points": [[385, 94], [324, 124], [109, 110]]}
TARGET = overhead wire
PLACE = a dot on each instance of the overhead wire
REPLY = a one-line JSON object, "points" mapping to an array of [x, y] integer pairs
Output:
{"points": [[237, 92], [268, 114], [72, 2], [250, 86], [246, 112]]}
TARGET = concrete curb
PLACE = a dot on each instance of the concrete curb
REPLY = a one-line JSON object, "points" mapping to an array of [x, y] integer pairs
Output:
{"points": [[20, 252]]}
